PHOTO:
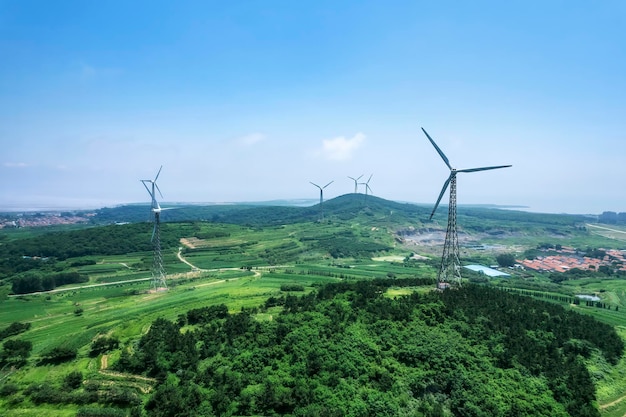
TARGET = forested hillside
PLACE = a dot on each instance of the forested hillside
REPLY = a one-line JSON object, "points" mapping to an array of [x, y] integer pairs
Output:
{"points": [[343, 207], [348, 350], [41, 252]]}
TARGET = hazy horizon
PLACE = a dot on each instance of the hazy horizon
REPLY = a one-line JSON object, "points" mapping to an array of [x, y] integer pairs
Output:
{"points": [[250, 102], [304, 202]]}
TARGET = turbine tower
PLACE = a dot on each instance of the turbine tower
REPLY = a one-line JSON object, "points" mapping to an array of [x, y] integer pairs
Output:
{"points": [[321, 198], [450, 271], [158, 271], [356, 183], [367, 186]]}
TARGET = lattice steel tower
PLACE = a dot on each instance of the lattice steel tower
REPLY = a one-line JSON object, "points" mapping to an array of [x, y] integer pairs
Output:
{"points": [[158, 271], [450, 271]]}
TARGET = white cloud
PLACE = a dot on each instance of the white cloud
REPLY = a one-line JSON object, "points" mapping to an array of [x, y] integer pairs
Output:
{"points": [[16, 164], [340, 148], [250, 139]]}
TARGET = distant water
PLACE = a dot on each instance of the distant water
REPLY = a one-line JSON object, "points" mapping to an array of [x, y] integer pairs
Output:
{"points": [[34, 208]]}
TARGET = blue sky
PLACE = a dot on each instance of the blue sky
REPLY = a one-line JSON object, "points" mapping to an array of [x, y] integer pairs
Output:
{"points": [[250, 101]]}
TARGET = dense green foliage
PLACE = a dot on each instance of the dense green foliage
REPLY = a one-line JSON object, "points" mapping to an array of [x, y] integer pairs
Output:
{"points": [[13, 329], [103, 345], [15, 352], [342, 207], [348, 350], [346, 245], [515, 218], [107, 240], [43, 251], [611, 217], [59, 354], [506, 259], [34, 281]]}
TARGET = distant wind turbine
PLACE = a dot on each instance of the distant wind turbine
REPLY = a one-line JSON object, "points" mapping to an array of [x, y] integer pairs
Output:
{"points": [[450, 271], [158, 271], [321, 198], [356, 183], [367, 185]]}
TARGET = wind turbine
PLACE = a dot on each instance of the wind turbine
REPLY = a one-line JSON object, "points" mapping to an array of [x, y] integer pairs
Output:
{"points": [[356, 182], [367, 186], [158, 271], [322, 198], [450, 271]]}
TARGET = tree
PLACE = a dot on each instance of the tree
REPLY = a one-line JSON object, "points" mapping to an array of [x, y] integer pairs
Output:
{"points": [[73, 380], [14, 328], [103, 345], [506, 259], [59, 354], [15, 352]]}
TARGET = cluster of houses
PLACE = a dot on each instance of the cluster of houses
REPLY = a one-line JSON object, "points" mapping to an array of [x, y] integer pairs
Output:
{"points": [[568, 258], [41, 219]]}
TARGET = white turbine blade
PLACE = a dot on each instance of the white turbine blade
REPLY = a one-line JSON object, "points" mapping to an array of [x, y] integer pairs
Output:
{"points": [[443, 190], [483, 168], [158, 173], [316, 185], [368, 180], [157, 187], [153, 231], [443, 156], [144, 184], [360, 177], [328, 184]]}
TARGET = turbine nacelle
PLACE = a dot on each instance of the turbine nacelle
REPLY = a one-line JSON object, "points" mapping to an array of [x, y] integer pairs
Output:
{"points": [[152, 191], [321, 189], [154, 205]]}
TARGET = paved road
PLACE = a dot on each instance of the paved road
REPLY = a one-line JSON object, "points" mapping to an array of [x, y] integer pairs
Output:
{"points": [[606, 228]]}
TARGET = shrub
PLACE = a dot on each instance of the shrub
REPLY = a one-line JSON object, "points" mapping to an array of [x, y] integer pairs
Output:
{"points": [[59, 354], [292, 287], [103, 345], [121, 396], [45, 393], [8, 389], [14, 329], [100, 412], [73, 380], [15, 352]]}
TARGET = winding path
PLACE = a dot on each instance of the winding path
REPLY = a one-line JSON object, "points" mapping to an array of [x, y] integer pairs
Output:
{"points": [[612, 403], [192, 266]]}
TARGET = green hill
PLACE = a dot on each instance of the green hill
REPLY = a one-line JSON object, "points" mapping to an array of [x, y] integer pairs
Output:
{"points": [[344, 207]]}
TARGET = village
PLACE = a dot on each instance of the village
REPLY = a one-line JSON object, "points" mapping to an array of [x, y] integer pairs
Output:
{"points": [[568, 258], [17, 220]]}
